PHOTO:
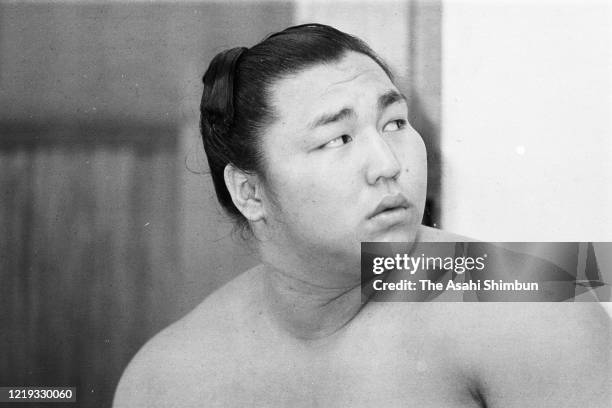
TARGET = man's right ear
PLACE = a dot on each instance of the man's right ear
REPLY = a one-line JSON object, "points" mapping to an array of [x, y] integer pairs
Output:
{"points": [[245, 190]]}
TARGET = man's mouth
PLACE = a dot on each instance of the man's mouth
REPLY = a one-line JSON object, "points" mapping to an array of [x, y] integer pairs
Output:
{"points": [[389, 204]]}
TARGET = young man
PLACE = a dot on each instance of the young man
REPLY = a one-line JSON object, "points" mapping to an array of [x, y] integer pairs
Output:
{"points": [[310, 148]]}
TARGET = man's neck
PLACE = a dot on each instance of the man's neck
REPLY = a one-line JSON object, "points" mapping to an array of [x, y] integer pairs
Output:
{"points": [[308, 310]]}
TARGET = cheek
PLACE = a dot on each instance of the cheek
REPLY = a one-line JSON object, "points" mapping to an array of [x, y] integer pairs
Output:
{"points": [[413, 157], [312, 196], [418, 170], [411, 152], [292, 189], [420, 159], [312, 192]]}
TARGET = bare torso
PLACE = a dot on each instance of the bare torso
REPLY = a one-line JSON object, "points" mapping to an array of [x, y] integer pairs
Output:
{"points": [[392, 354], [229, 352]]}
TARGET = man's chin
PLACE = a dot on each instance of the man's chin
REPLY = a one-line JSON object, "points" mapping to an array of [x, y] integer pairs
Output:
{"points": [[402, 233]]}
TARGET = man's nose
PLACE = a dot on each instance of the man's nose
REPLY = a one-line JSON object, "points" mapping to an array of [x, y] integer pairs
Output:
{"points": [[382, 161]]}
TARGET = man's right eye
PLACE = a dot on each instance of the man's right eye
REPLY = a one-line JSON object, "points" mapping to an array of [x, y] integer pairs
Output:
{"points": [[337, 142]]}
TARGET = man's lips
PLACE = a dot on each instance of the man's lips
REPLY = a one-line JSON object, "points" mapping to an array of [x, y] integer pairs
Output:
{"points": [[389, 203]]}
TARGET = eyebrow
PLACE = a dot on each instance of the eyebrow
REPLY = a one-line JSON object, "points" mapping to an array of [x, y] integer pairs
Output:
{"points": [[385, 100], [328, 118], [389, 98]]}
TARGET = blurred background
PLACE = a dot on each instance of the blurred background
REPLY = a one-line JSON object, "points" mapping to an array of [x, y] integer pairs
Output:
{"points": [[109, 227]]}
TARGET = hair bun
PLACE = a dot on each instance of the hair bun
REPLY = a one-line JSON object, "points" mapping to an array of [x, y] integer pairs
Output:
{"points": [[218, 96]]}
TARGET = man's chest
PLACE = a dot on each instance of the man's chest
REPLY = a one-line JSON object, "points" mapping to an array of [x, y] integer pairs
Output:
{"points": [[371, 374]]}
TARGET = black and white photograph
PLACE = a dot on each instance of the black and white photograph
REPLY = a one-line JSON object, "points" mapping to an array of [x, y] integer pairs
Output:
{"points": [[306, 203]]}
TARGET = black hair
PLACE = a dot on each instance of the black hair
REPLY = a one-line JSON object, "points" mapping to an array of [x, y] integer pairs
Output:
{"points": [[235, 106]]}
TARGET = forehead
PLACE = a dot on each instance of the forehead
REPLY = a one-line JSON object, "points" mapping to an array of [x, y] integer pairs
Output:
{"points": [[329, 86]]}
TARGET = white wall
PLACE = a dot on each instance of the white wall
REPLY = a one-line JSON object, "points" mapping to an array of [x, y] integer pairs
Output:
{"points": [[526, 120]]}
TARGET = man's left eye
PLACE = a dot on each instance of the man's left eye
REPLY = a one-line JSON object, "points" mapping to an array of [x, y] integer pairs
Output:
{"points": [[394, 125]]}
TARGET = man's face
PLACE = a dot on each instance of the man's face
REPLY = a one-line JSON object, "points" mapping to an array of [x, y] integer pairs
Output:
{"points": [[340, 151]]}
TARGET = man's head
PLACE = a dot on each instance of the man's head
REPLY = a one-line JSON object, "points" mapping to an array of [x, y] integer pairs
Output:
{"points": [[308, 142]]}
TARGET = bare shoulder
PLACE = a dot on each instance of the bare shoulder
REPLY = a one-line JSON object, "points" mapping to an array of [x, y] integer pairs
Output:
{"points": [[189, 355], [549, 354], [538, 354]]}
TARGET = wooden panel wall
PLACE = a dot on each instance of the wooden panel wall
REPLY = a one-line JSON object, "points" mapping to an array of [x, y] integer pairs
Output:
{"points": [[88, 248]]}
